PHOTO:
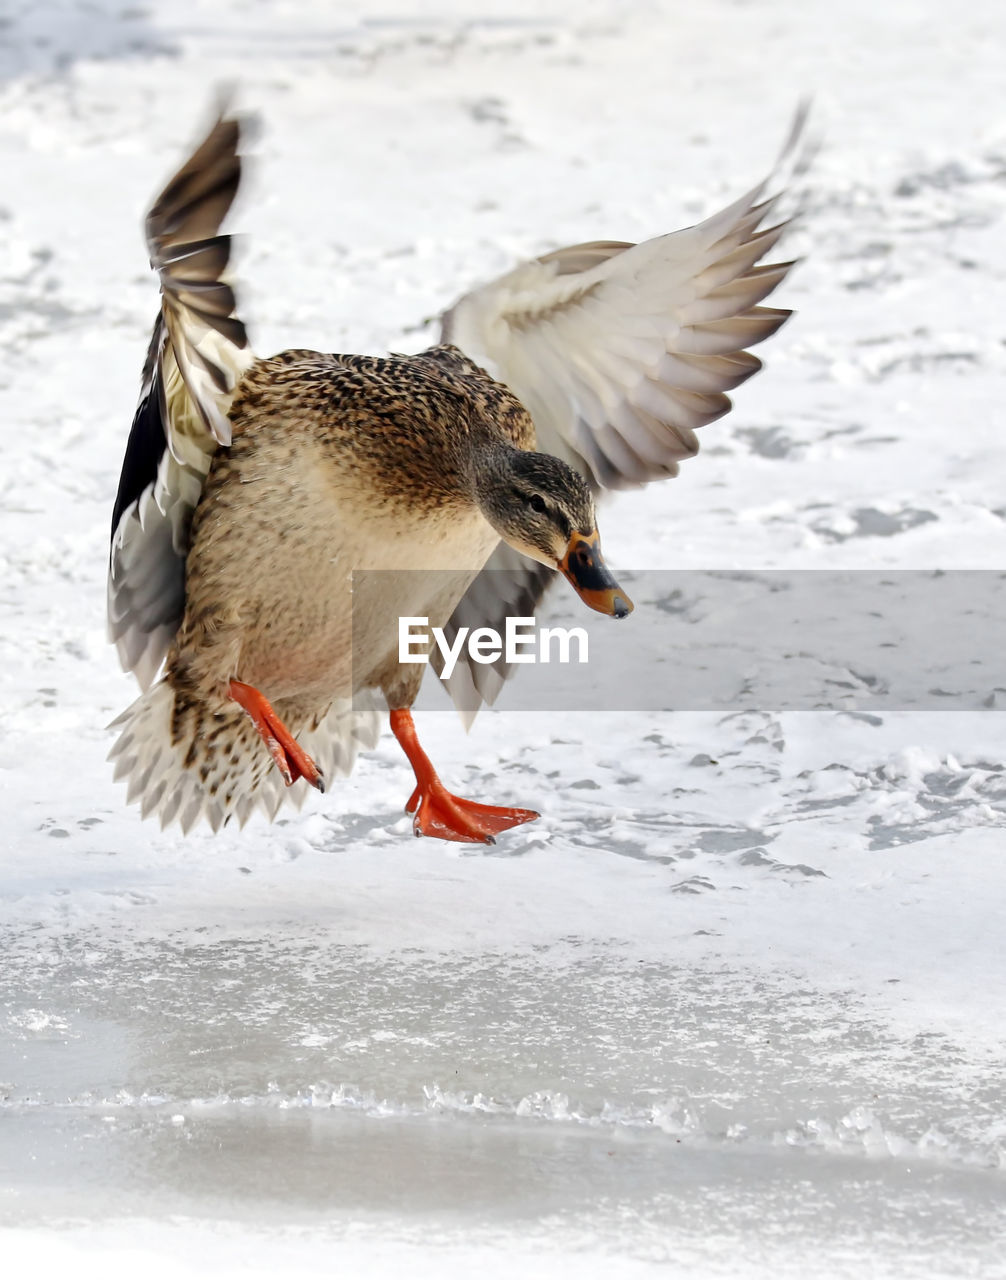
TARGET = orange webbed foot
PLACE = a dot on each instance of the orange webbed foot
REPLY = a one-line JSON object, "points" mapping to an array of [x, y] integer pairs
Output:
{"points": [[290, 757], [436, 812]]}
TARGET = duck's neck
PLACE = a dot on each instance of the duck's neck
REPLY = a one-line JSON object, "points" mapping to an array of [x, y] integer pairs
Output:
{"points": [[488, 474]]}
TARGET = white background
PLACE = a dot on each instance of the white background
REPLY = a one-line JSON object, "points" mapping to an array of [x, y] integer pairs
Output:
{"points": [[735, 1006]]}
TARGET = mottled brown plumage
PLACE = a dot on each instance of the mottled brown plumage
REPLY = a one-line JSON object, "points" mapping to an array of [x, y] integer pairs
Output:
{"points": [[335, 464], [275, 518], [355, 490]]}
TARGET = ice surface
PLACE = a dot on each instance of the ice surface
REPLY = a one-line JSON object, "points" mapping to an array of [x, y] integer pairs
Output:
{"points": [[735, 1006]]}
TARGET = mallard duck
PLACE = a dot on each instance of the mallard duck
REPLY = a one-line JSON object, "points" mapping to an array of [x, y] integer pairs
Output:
{"points": [[253, 489]]}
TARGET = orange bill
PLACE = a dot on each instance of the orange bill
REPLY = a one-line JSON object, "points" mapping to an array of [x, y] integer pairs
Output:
{"points": [[583, 566]]}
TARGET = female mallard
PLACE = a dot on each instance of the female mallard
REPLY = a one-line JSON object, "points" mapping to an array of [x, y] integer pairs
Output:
{"points": [[252, 490]]}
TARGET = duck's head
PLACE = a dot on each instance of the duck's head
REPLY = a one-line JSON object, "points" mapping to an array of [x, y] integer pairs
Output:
{"points": [[544, 509]]}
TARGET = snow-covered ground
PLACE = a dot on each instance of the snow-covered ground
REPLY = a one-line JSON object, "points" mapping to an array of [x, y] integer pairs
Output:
{"points": [[737, 1005]]}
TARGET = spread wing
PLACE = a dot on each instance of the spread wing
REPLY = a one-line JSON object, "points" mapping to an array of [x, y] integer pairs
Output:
{"points": [[510, 586], [198, 353], [621, 352]]}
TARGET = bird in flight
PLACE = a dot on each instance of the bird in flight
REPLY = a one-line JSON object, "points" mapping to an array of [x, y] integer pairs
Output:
{"points": [[275, 517]]}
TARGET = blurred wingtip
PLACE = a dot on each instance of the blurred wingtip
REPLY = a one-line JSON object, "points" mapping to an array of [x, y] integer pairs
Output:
{"points": [[225, 108], [805, 140]]}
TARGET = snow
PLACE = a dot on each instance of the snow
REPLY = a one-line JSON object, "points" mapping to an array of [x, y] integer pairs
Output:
{"points": [[734, 1007]]}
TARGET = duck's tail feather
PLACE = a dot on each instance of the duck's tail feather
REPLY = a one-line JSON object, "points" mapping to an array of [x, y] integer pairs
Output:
{"points": [[184, 763]]}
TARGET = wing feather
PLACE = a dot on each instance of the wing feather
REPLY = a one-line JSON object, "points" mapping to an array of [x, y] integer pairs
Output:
{"points": [[510, 585], [621, 352], [198, 352]]}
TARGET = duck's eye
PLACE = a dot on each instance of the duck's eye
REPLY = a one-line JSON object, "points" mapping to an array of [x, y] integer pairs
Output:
{"points": [[538, 502]]}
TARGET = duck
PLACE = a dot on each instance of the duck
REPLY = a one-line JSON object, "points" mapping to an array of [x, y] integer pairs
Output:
{"points": [[276, 517]]}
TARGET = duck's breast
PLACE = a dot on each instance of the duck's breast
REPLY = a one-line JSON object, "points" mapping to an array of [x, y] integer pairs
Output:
{"points": [[314, 574]]}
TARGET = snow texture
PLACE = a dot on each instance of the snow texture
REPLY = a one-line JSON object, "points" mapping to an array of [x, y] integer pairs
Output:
{"points": [[735, 1006]]}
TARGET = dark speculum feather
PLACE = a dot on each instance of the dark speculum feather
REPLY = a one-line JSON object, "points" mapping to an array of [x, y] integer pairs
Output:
{"points": [[147, 439]]}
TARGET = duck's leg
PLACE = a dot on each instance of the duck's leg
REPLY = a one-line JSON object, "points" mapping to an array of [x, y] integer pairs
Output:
{"points": [[291, 759], [437, 812]]}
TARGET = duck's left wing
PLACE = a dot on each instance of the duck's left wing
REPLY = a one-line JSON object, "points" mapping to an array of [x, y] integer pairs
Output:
{"points": [[620, 351], [198, 353], [509, 586]]}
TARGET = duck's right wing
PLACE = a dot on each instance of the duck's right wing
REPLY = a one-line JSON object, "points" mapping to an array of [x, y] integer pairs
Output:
{"points": [[198, 353]]}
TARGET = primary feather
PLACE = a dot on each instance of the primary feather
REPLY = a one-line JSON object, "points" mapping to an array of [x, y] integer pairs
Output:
{"points": [[620, 352], [197, 354]]}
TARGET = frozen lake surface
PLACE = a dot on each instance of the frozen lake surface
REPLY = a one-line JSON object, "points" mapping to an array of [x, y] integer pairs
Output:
{"points": [[583, 1093], [735, 1006]]}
